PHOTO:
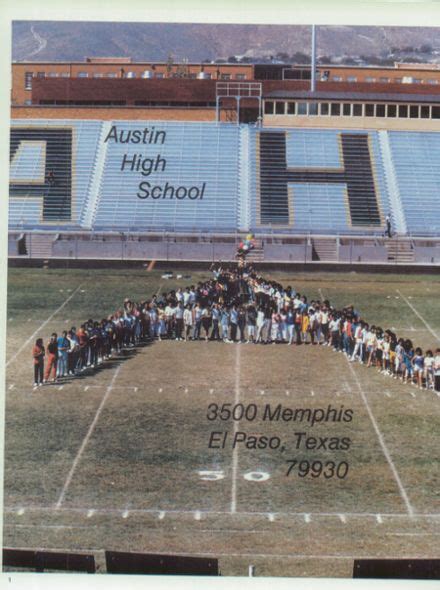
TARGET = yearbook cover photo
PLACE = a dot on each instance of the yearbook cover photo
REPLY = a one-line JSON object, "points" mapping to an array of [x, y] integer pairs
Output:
{"points": [[223, 333]]}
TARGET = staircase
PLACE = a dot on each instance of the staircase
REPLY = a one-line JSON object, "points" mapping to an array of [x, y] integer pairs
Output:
{"points": [[324, 249], [400, 251], [40, 245]]}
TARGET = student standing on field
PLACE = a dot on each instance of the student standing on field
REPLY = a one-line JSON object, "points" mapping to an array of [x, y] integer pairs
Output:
{"points": [[52, 356], [38, 353]]}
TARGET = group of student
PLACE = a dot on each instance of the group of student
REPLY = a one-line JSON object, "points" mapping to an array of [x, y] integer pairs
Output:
{"points": [[236, 305]]}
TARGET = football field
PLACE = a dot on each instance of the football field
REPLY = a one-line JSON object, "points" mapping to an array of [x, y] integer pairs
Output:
{"points": [[287, 458]]}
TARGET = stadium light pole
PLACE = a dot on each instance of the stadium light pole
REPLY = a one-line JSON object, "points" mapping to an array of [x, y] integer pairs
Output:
{"points": [[313, 64]]}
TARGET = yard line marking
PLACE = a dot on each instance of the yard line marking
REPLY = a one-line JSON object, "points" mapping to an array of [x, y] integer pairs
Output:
{"points": [[90, 513], [386, 453], [320, 294], [12, 386], [135, 389], [86, 439], [418, 315], [271, 517], [379, 519], [342, 518], [161, 515], [109, 511], [20, 511], [235, 450], [197, 515], [125, 514], [387, 393], [307, 518], [60, 387], [412, 394], [29, 340], [86, 387], [312, 393]]}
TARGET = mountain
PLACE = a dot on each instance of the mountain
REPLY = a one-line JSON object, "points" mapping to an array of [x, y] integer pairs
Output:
{"points": [[73, 41]]}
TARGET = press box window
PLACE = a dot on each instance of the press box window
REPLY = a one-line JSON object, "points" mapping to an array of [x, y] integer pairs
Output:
{"points": [[335, 109], [313, 108], [240, 76], [41, 74], [83, 75], [380, 110], [325, 108], [269, 107], [414, 111], [369, 110], [291, 108], [225, 77], [351, 79], [392, 110], [403, 111], [28, 80], [357, 110], [346, 109], [424, 112], [302, 108], [279, 108], [435, 112]]}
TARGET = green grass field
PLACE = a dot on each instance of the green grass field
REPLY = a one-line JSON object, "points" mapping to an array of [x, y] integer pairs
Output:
{"points": [[119, 459]]}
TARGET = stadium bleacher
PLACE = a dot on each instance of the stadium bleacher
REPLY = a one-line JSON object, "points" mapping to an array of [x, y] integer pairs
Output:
{"points": [[233, 178]]}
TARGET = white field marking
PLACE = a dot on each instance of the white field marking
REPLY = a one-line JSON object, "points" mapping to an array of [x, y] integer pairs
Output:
{"points": [[287, 392], [385, 451], [23, 346], [312, 393], [320, 294], [307, 518], [186, 390], [12, 386], [379, 519], [419, 316], [125, 514], [235, 450], [387, 393], [160, 389], [161, 515], [271, 517], [197, 515], [158, 290], [20, 511], [90, 513], [86, 387], [135, 389], [139, 511], [262, 392], [343, 518], [210, 391], [412, 394], [60, 387], [86, 439]]}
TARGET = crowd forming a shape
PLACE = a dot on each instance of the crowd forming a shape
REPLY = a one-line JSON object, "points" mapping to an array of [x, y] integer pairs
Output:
{"points": [[235, 306]]}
